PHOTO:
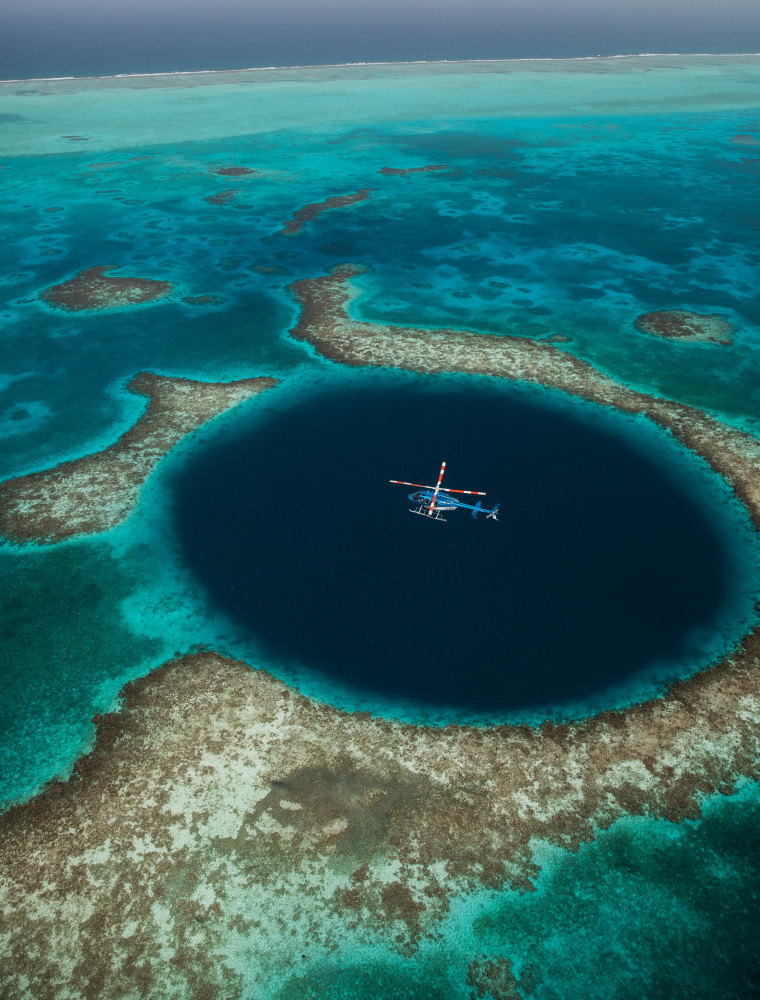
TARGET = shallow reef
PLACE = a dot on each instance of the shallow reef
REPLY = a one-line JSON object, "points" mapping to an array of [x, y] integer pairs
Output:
{"points": [[99, 491], [94, 289], [303, 215], [406, 171], [222, 197], [688, 327], [216, 784], [233, 171]]}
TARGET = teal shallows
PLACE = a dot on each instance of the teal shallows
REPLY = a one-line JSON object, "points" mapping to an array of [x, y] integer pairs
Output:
{"points": [[655, 909], [648, 909], [167, 109], [548, 236], [66, 651], [370, 976], [79, 620]]}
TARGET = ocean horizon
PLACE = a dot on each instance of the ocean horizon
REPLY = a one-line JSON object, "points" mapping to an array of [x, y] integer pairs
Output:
{"points": [[41, 39], [383, 62]]}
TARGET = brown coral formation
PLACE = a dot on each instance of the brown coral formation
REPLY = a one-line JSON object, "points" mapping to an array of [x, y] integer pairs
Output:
{"points": [[222, 197], [223, 812], [93, 289], [233, 171], [203, 300], [689, 327], [495, 979], [326, 324], [99, 491], [309, 212], [406, 171]]}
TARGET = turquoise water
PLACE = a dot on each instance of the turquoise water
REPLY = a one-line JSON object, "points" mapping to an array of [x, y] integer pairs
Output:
{"points": [[649, 909], [578, 196]]}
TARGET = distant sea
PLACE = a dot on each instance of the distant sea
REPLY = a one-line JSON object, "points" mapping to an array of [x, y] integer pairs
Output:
{"points": [[53, 40]]}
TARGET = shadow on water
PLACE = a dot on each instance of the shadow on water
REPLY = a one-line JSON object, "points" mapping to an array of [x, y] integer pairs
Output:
{"points": [[604, 560]]}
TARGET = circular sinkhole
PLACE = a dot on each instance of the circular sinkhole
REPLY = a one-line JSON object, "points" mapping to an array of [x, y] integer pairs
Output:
{"points": [[609, 566]]}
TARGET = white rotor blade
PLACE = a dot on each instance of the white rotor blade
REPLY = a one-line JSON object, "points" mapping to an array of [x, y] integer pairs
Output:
{"points": [[437, 488]]}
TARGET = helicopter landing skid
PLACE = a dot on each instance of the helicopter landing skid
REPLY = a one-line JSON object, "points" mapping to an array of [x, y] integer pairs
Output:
{"points": [[430, 501], [423, 511]]}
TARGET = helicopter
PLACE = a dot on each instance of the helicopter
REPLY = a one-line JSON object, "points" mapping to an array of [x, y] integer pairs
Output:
{"points": [[431, 501]]}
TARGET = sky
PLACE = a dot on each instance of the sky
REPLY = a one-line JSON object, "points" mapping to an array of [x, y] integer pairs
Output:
{"points": [[90, 37]]}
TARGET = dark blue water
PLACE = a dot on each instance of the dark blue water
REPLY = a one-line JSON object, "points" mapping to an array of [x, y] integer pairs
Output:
{"points": [[43, 39], [600, 564]]}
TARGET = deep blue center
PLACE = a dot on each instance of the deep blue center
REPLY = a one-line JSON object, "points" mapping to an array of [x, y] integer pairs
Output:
{"points": [[601, 563]]}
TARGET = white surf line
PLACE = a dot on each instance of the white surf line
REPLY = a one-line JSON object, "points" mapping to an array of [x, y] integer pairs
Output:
{"points": [[402, 62]]}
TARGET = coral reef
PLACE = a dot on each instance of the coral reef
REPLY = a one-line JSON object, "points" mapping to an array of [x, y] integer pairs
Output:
{"points": [[94, 289], [689, 327], [222, 197], [233, 171], [309, 212], [406, 171], [224, 821], [98, 491]]}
